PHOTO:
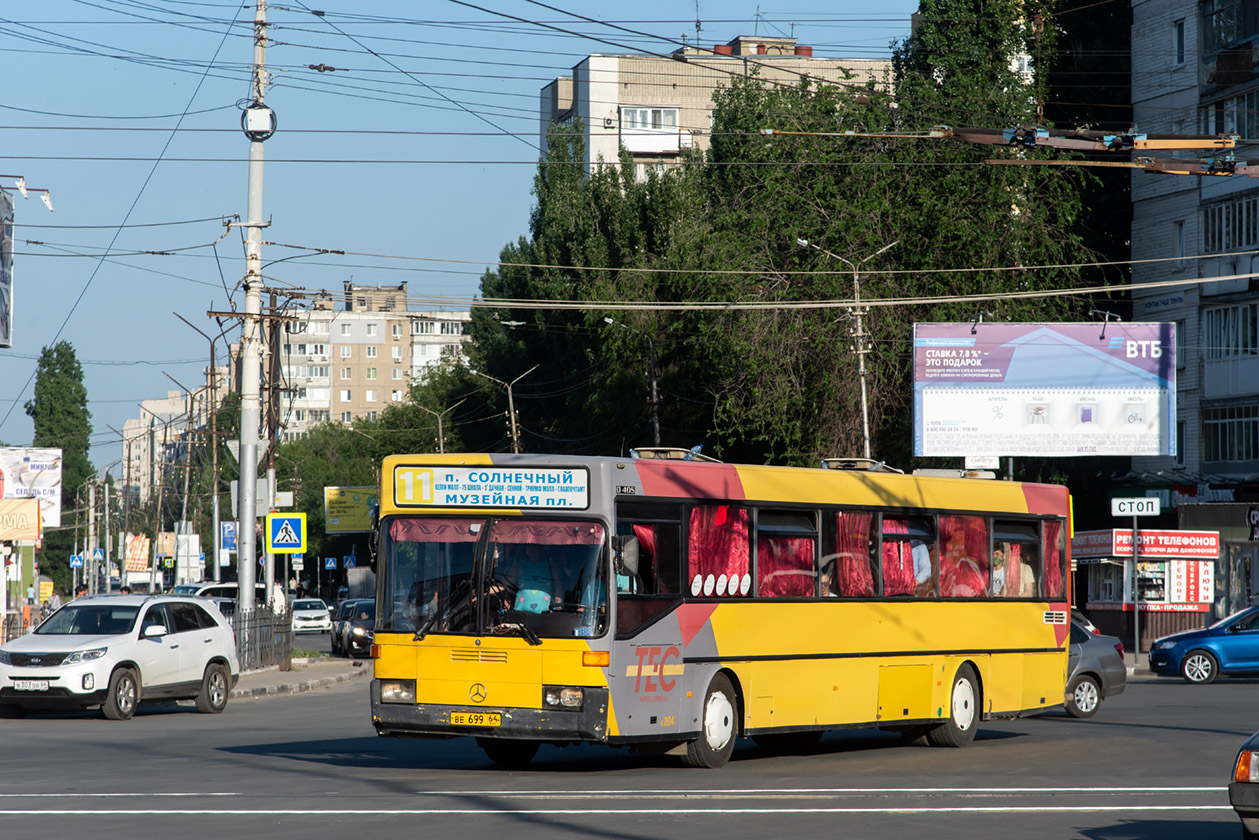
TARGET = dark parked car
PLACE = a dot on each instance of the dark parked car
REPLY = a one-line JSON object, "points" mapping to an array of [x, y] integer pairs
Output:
{"points": [[1097, 670], [357, 630], [1243, 790], [1229, 646], [342, 617]]}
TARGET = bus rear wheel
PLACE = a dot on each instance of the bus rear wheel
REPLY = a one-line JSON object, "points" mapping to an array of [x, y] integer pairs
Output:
{"points": [[718, 726], [508, 753], [958, 729]]}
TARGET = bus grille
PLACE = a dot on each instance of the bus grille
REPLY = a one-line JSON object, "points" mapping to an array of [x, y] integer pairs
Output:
{"points": [[475, 655]]}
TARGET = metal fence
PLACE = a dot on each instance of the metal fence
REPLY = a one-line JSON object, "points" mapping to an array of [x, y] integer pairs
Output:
{"points": [[264, 638]]}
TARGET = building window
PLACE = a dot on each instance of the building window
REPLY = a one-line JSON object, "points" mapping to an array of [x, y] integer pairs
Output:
{"points": [[371, 330], [1231, 433], [397, 373], [1180, 443], [371, 373], [346, 395], [299, 415], [452, 328], [1178, 42], [649, 119], [1231, 225], [317, 349], [422, 328], [319, 370], [1221, 24], [371, 351], [396, 330], [371, 415], [396, 351], [1179, 326], [396, 396], [345, 329], [1178, 243], [319, 416], [346, 374], [1229, 332], [371, 395], [317, 327], [347, 351], [346, 417]]}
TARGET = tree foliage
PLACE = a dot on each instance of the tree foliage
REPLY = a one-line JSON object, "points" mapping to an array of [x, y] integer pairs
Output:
{"points": [[62, 421]]}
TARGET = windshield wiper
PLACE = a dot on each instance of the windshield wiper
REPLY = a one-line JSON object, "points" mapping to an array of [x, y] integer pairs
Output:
{"points": [[428, 625], [525, 630]]}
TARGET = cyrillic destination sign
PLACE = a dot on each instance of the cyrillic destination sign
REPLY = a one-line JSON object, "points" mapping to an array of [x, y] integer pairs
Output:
{"points": [[491, 487]]}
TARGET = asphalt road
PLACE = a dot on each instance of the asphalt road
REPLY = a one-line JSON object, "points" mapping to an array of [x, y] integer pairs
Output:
{"points": [[1153, 764]]}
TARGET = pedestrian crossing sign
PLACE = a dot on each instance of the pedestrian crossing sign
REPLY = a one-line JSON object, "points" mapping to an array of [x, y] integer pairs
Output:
{"points": [[286, 533]]}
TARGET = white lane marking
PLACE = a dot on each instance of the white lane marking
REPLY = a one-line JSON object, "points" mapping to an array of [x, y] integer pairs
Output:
{"points": [[639, 793], [674, 812], [110, 795]]}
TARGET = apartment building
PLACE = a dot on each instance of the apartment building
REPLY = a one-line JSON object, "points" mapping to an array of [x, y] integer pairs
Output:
{"points": [[349, 363], [1193, 72], [657, 107]]}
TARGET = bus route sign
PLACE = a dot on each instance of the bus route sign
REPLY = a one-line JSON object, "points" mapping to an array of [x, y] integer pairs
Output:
{"points": [[546, 488]]}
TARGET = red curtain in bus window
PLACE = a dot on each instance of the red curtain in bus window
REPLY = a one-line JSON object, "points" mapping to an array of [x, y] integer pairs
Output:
{"points": [[852, 543], [784, 567], [435, 530], [646, 535], [718, 550], [898, 559], [1054, 587], [963, 556]]}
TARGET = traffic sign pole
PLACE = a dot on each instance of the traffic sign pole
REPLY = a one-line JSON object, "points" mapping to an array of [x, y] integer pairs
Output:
{"points": [[1136, 507]]}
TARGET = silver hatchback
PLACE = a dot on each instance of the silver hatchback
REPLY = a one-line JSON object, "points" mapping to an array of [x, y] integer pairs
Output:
{"points": [[1097, 670]]}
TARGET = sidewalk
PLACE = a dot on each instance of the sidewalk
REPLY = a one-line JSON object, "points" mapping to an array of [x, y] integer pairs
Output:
{"points": [[1138, 666], [307, 675]]}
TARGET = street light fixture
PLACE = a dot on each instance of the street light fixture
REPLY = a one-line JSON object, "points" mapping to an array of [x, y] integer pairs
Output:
{"points": [[441, 438], [511, 403], [859, 337], [651, 371]]}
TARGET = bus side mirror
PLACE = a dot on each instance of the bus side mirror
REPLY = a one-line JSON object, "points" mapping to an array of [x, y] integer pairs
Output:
{"points": [[373, 539], [625, 554]]}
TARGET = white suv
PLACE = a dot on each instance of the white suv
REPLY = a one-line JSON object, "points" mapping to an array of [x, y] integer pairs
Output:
{"points": [[114, 651]]}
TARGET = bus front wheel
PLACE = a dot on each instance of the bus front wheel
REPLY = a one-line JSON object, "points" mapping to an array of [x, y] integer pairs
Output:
{"points": [[718, 726], [958, 729], [508, 753]]}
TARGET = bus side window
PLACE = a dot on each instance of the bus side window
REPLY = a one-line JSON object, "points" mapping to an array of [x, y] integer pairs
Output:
{"points": [[964, 567], [786, 548], [718, 552], [659, 559], [909, 556], [847, 569], [1015, 559], [1055, 551]]}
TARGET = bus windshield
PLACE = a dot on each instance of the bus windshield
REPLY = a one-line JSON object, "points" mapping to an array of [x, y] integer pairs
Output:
{"points": [[531, 577]]}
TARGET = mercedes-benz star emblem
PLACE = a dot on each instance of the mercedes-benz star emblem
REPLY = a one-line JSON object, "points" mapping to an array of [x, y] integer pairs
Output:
{"points": [[477, 693]]}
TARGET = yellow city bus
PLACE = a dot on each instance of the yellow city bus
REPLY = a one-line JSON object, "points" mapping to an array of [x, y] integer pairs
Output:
{"points": [[675, 605]]}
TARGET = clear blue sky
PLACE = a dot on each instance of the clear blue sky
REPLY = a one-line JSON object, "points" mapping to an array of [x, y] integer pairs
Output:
{"points": [[420, 144]]}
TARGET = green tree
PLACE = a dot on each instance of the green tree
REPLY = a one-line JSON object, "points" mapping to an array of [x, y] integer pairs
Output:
{"points": [[62, 421]]}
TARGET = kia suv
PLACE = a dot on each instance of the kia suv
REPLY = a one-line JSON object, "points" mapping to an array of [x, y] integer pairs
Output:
{"points": [[116, 651]]}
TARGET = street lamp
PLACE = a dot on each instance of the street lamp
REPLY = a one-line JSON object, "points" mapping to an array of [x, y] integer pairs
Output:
{"points": [[441, 438], [651, 371], [511, 403], [860, 334]]}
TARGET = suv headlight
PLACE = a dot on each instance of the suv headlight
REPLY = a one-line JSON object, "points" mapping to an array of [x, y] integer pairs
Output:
{"points": [[359, 631], [1163, 646], [80, 656]]}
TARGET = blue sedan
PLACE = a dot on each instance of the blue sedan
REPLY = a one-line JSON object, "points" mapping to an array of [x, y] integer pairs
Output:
{"points": [[1230, 646]]}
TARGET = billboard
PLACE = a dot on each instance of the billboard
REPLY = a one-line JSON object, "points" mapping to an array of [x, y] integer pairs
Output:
{"points": [[348, 510], [19, 520], [27, 473], [1044, 389], [6, 269], [136, 555]]}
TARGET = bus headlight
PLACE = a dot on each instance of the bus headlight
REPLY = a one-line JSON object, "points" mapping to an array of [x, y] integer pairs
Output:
{"points": [[560, 697], [397, 691]]}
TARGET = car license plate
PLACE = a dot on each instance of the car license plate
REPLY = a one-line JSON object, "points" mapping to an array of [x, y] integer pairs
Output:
{"points": [[476, 719], [30, 685]]}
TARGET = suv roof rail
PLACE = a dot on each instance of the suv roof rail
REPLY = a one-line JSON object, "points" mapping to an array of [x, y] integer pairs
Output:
{"points": [[859, 465]]}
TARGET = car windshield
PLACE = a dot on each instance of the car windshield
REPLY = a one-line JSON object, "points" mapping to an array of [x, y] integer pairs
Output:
{"points": [[1229, 619], [185, 589], [537, 578], [90, 620], [308, 604]]}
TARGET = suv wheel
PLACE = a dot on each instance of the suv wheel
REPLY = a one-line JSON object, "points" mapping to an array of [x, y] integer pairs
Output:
{"points": [[212, 698], [122, 695]]}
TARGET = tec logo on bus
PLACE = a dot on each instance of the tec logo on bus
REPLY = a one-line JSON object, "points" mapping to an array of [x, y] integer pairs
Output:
{"points": [[657, 669]]}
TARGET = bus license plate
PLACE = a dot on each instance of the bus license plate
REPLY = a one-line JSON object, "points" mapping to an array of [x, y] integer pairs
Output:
{"points": [[30, 685], [476, 719]]}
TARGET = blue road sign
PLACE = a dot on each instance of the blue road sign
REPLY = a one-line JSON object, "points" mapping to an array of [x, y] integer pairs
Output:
{"points": [[349, 561], [76, 561], [286, 533], [229, 535], [98, 554], [330, 562]]}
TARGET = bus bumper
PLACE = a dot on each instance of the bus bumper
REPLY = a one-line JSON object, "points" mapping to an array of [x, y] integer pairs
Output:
{"points": [[589, 723]]}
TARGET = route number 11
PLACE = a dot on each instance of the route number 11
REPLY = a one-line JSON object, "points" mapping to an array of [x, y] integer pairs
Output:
{"points": [[412, 486]]}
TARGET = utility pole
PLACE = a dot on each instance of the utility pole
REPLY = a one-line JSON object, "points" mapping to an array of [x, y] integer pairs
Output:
{"points": [[511, 403], [651, 370], [859, 337], [258, 123], [217, 539], [161, 486], [91, 535]]}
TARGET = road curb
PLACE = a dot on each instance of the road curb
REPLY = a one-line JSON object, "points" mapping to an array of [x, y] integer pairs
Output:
{"points": [[299, 686]]}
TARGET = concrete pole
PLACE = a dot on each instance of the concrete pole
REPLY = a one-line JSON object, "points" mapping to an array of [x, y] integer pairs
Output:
{"points": [[91, 535], [250, 408], [108, 533], [1136, 592]]}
